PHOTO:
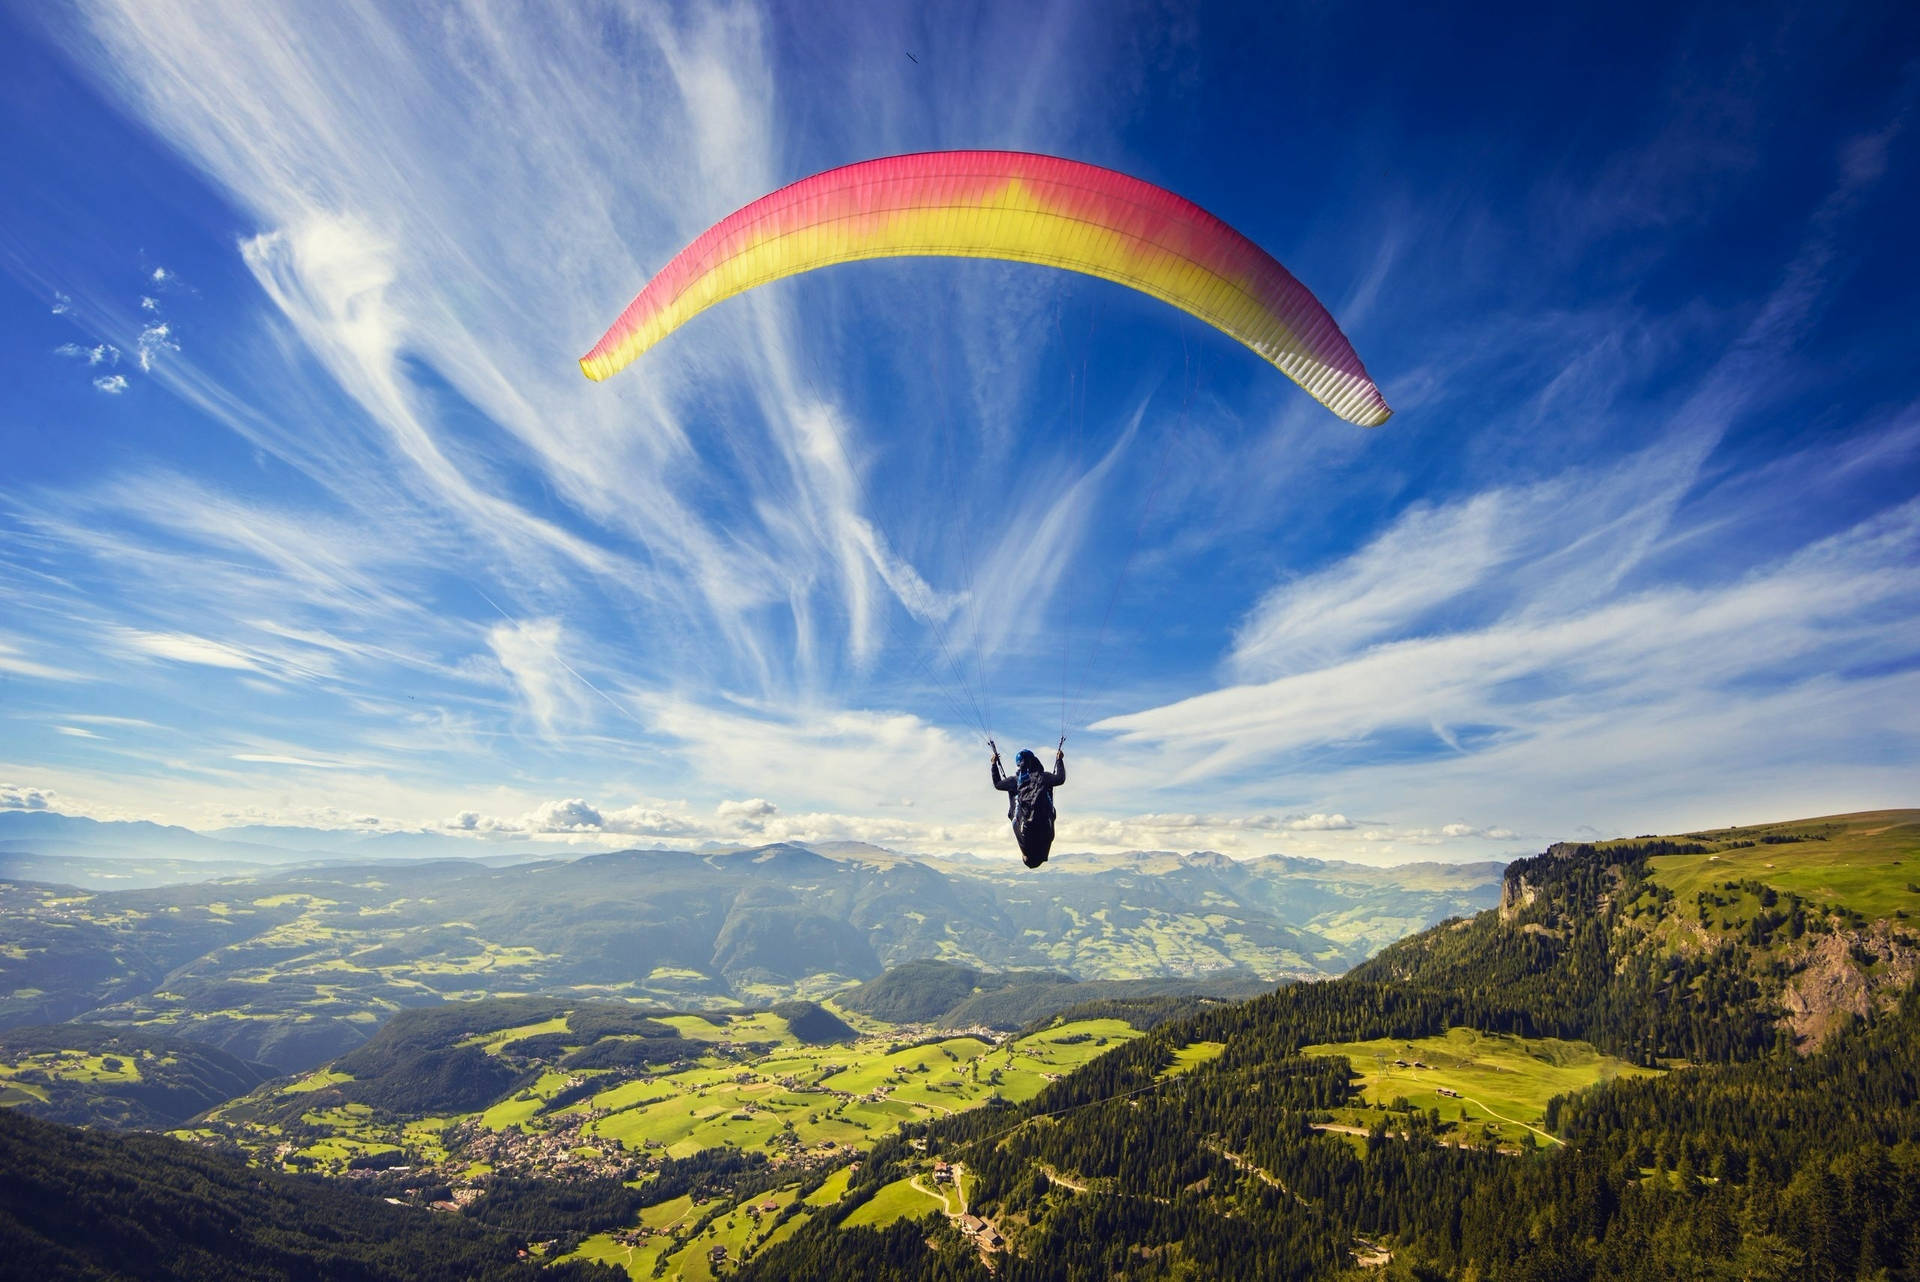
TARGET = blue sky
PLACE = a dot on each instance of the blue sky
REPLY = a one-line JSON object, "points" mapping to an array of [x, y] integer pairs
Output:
{"points": [[310, 518]]}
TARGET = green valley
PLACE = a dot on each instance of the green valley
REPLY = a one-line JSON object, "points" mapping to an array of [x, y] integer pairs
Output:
{"points": [[666, 1094]]}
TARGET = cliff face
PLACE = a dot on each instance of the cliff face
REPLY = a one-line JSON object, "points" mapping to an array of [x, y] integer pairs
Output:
{"points": [[1846, 973], [1516, 893], [1550, 874]]}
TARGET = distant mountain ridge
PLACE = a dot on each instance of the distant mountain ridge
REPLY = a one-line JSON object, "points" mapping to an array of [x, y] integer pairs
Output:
{"points": [[294, 965], [52, 833]]}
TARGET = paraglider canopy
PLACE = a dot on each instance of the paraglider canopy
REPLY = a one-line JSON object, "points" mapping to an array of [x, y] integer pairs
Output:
{"points": [[1018, 206]]}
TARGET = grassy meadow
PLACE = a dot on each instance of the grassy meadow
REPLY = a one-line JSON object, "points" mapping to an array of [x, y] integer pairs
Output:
{"points": [[1501, 1082], [1867, 862]]}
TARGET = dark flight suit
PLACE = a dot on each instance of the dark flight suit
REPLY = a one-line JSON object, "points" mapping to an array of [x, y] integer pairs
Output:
{"points": [[1030, 805]]}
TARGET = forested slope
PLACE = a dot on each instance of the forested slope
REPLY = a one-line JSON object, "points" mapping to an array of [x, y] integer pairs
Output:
{"points": [[951, 996], [1757, 1153]]}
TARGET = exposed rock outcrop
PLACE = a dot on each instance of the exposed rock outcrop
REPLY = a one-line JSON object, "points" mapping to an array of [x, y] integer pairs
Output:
{"points": [[1846, 973]]}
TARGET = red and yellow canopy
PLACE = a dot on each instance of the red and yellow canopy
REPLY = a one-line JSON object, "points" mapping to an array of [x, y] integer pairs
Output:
{"points": [[1010, 205]]}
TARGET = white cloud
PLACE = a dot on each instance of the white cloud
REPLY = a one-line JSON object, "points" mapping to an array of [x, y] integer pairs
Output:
{"points": [[17, 797], [529, 651], [1320, 823], [112, 384], [180, 647], [98, 354], [148, 303], [824, 758], [1548, 547], [76, 732], [12, 660], [62, 304], [304, 123], [104, 719], [645, 821], [1842, 601], [1496, 833], [749, 816], [286, 759], [333, 277], [154, 339], [573, 815]]}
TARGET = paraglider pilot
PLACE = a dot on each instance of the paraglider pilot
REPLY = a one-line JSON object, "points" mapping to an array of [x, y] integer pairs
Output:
{"points": [[1030, 803]]}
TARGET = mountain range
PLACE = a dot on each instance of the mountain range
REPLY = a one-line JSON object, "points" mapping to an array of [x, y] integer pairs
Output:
{"points": [[293, 965]]}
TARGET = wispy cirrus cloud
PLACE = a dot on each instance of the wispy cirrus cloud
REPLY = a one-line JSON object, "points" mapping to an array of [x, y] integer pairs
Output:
{"points": [[530, 652], [306, 134], [14, 660], [1546, 548], [182, 647], [285, 759], [1841, 605]]}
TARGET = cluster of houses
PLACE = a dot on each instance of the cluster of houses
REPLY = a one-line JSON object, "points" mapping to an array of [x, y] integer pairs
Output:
{"points": [[462, 1198], [980, 1230], [565, 1149]]}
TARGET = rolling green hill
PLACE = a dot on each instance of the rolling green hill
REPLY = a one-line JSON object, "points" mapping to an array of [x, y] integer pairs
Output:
{"points": [[922, 992], [123, 1077], [950, 996], [296, 967], [515, 1113]]}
